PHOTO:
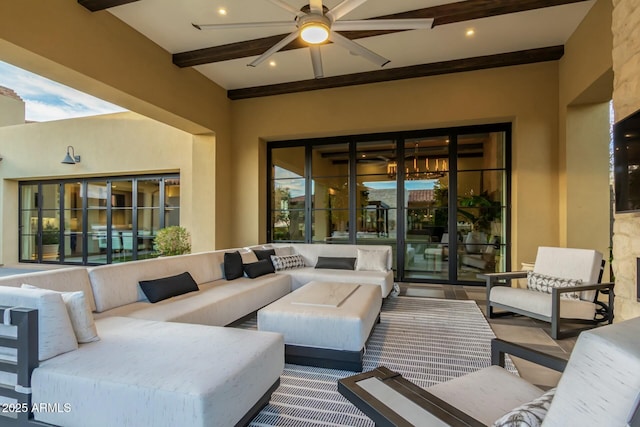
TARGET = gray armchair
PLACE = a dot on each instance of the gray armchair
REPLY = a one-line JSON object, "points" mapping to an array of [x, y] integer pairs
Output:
{"points": [[583, 311], [600, 386]]}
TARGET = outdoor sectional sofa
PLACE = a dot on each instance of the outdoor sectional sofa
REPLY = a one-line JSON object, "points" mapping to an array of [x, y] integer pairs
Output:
{"points": [[171, 362]]}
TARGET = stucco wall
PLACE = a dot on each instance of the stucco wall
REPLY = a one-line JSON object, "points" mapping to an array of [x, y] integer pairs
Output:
{"points": [[626, 100], [113, 144], [100, 55], [525, 95], [586, 84]]}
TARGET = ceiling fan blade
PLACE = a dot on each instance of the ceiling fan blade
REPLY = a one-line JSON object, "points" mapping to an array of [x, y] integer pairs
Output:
{"points": [[383, 24], [316, 61], [273, 49], [343, 8], [287, 7], [315, 6], [244, 25], [360, 50]]}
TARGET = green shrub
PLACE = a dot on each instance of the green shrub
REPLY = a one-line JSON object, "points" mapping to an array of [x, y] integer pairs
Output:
{"points": [[173, 240]]}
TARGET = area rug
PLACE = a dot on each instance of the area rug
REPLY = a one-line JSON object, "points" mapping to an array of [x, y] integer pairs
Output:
{"points": [[427, 340]]}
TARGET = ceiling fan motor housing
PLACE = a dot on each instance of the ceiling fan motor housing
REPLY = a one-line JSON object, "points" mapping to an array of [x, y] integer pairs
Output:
{"points": [[314, 28]]}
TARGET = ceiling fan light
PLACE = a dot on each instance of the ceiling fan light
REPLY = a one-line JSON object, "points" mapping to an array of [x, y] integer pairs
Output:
{"points": [[314, 33]]}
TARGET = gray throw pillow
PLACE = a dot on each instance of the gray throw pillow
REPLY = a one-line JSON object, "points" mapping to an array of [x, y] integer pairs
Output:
{"points": [[542, 283], [530, 414]]}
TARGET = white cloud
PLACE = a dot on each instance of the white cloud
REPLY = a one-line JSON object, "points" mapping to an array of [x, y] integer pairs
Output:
{"points": [[47, 100]]}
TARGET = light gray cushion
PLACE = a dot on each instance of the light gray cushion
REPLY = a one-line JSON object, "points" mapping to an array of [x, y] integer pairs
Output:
{"points": [[544, 283], [55, 333], [79, 314], [371, 260], [530, 414], [160, 374], [486, 394]]}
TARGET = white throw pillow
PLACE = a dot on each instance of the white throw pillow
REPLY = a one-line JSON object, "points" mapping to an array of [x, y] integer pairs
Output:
{"points": [[283, 251], [371, 260], [248, 257], [79, 314], [55, 333]]}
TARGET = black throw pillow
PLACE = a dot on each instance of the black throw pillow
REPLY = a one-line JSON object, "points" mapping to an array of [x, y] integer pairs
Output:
{"points": [[167, 287], [260, 268], [338, 263], [264, 254], [232, 265]]}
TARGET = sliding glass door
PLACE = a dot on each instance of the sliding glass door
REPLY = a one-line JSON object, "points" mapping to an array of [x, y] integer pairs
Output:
{"points": [[438, 198]]}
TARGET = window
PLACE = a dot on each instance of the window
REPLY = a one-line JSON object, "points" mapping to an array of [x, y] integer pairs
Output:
{"points": [[438, 197], [95, 220]]}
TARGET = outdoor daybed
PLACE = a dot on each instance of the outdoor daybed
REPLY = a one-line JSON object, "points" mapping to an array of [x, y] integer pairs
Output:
{"points": [[165, 363]]}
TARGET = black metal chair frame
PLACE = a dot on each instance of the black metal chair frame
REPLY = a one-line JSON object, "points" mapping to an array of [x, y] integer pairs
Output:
{"points": [[385, 416], [602, 315], [26, 344]]}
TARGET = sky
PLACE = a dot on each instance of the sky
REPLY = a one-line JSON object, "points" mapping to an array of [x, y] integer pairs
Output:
{"points": [[46, 100]]}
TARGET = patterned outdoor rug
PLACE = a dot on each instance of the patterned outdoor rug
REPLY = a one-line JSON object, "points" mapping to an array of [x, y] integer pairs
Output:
{"points": [[426, 340]]}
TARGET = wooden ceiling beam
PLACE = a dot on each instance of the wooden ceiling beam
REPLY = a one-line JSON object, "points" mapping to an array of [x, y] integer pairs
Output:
{"points": [[443, 14], [530, 56], [96, 5]]}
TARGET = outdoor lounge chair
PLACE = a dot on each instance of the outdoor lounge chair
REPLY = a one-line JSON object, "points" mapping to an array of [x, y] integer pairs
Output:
{"points": [[554, 277], [599, 386]]}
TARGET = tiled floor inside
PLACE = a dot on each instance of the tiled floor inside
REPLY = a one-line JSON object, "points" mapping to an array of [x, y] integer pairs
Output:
{"points": [[519, 329]]}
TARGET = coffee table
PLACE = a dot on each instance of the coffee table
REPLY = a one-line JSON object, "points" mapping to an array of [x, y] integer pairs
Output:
{"points": [[325, 324]]}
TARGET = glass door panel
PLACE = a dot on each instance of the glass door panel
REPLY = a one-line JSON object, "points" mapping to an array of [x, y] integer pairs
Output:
{"points": [[172, 202], [122, 246], [72, 211], [30, 248], [98, 242], [426, 180], [330, 202], [377, 194], [481, 205], [50, 211], [288, 194], [330, 193]]}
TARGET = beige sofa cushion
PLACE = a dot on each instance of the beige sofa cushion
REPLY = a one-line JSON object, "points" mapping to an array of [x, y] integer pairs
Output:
{"points": [[116, 285], [487, 394], [145, 373], [217, 303], [540, 303], [62, 280]]}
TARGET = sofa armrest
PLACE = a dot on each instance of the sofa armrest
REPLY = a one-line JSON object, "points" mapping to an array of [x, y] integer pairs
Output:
{"points": [[391, 400], [26, 344], [499, 348]]}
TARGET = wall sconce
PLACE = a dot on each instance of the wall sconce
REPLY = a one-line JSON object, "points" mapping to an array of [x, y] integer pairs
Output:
{"points": [[71, 159]]}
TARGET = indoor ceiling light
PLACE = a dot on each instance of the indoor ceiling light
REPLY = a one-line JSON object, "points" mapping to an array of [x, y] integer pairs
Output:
{"points": [[314, 32], [314, 28]]}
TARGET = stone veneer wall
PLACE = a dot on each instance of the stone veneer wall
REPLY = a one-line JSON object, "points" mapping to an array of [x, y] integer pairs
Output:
{"points": [[626, 100]]}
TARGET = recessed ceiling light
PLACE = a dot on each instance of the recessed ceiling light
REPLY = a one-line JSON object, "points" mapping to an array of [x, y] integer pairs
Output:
{"points": [[272, 63], [222, 11], [470, 32]]}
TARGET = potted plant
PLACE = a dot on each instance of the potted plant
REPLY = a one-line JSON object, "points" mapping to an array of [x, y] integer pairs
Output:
{"points": [[50, 238], [172, 240], [480, 211]]}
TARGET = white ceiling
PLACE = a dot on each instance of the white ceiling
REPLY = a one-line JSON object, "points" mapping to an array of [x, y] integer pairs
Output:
{"points": [[168, 24]]}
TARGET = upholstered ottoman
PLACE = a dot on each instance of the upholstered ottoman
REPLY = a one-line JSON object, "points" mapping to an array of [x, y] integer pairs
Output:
{"points": [[324, 324]]}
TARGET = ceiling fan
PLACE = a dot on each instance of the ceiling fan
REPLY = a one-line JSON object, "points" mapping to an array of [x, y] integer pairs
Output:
{"points": [[315, 24]]}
